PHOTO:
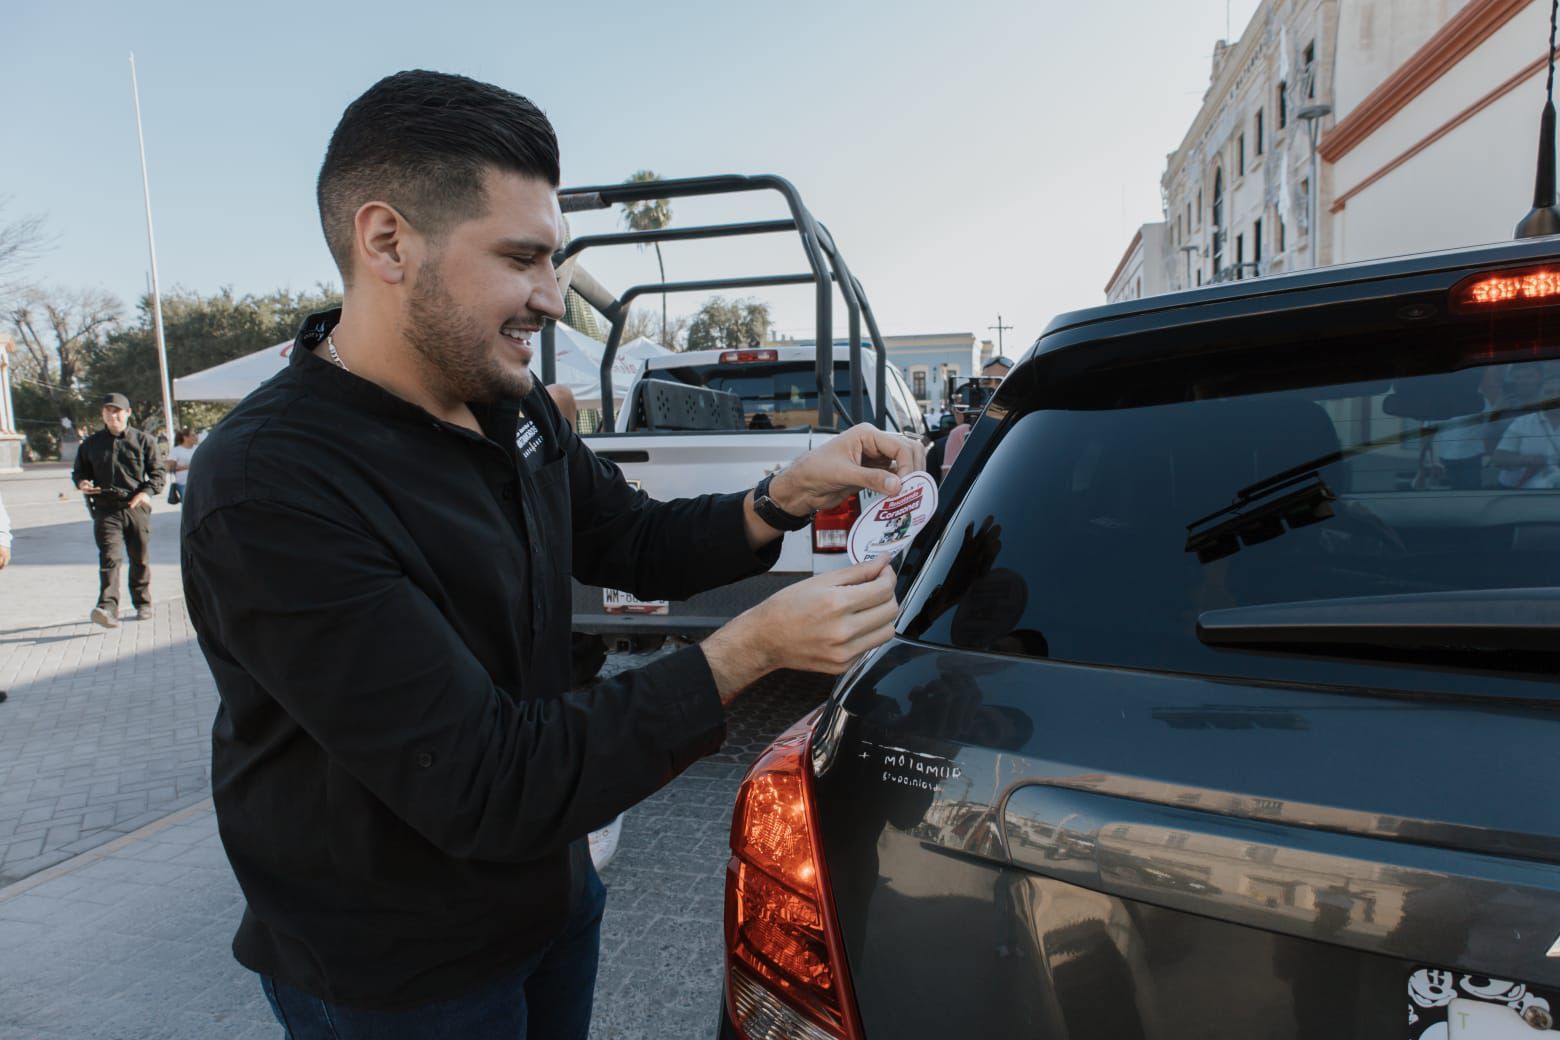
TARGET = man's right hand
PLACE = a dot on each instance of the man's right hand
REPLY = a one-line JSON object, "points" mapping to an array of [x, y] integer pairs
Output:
{"points": [[819, 625], [88, 488]]}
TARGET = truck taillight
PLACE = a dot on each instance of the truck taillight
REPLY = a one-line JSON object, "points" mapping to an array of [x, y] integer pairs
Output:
{"points": [[1503, 290], [831, 527], [737, 356], [785, 970]]}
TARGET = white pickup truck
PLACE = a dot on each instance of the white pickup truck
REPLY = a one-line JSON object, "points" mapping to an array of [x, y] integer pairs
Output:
{"points": [[719, 420]]}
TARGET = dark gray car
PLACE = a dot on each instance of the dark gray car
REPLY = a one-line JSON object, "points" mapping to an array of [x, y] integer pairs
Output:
{"points": [[1224, 701]]}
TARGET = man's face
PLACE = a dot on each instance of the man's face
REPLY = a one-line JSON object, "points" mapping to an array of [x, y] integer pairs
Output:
{"points": [[479, 296], [115, 419]]}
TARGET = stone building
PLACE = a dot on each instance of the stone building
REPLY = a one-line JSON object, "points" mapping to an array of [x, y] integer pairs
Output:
{"points": [[1239, 193]]}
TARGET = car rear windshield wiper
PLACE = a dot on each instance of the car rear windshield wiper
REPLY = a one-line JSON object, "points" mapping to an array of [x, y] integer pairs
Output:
{"points": [[1259, 513], [1525, 621]]}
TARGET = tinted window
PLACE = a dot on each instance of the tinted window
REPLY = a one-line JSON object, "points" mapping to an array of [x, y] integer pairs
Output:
{"points": [[775, 395], [1072, 541]]}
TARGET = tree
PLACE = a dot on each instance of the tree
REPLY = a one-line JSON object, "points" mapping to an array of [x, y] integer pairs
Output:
{"points": [[21, 242], [728, 324], [672, 336], [201, 331], [650, 215], [57, 332]]}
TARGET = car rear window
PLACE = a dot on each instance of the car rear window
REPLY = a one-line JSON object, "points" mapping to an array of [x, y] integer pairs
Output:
{"points": [[775, 395], [1075, 539]]}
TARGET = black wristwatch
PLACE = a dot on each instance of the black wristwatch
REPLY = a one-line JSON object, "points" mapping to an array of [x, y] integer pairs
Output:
{"points": [[772, 514]]}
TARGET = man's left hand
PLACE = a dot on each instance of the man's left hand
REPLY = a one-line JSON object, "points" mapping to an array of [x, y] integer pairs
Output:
{"points": [[140, 499], [861, 457]]}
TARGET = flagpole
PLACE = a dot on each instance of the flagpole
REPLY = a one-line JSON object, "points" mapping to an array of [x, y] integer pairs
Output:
{"points": [[151, 247]]}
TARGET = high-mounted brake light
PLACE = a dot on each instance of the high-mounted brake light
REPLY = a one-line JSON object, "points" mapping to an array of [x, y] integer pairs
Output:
{"points": [[831, 527], [1504, 290], [729, 357], [785, 969]]}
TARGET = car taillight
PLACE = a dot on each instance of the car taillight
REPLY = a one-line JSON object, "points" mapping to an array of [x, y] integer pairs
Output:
{"points": [[785, 970], [831, 527], [736, 356], [1503, 290]]}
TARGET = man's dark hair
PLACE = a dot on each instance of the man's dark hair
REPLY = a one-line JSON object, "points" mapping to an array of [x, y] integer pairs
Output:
{"points": [[420, 141]]}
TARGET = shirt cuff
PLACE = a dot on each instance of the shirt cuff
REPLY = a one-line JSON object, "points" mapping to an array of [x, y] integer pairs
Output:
{"points": [[695, 717], [729, 550]]}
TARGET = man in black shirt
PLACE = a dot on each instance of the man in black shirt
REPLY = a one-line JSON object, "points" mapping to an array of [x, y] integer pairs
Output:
{"points": [[377, 554], [119, 468]]}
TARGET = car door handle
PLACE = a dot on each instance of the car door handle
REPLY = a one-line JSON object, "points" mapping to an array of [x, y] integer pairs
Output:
{"points": [[1415, 902]]}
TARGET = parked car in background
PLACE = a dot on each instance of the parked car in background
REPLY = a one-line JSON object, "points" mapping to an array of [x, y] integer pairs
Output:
{"points": [[1220, 706]]}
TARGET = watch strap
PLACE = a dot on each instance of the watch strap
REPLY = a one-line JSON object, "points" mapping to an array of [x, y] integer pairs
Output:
{"points": [[770, 512]]}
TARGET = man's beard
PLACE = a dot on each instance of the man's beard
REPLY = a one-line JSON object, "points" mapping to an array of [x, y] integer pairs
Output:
{"points": [[455, 345]]}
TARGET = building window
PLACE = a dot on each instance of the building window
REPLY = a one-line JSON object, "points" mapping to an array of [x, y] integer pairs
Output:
{"points": [[1283, 104], [1189, 214], [1240, 156], [1218, 221], [1199, 276], [1309, 64], [1281, 245], [1259, 131], [1256, 244], [918, 383], [1240, 256], [1199, 207]]}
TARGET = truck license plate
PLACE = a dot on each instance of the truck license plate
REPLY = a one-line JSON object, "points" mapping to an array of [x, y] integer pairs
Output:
{"points": [[615, 601]]}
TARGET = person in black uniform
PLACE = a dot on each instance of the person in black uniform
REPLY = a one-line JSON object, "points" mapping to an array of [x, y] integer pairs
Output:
{"points": [[377, 552], [119, 468]]}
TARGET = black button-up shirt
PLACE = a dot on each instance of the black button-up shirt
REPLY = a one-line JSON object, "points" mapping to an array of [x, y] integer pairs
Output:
{"points": [[121, 465], [403, 780]]}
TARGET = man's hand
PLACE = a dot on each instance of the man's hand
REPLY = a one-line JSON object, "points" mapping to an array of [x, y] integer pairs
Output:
{"points": [[88, 488], [861, 457], [818, 625], [5, 557], [140, 498]]}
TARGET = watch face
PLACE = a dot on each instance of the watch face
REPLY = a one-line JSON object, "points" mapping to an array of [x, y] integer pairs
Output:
{"points": [[889, 525]]}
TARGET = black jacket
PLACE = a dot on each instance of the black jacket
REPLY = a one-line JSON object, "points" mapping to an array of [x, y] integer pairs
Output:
{"points": [[403, 780], [121, 466]]}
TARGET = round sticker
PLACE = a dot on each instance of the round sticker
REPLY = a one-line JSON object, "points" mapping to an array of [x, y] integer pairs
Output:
{"points": [[889, 525]]}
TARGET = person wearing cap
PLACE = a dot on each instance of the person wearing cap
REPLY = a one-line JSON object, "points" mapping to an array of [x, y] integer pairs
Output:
{"points": [[119, 468]]}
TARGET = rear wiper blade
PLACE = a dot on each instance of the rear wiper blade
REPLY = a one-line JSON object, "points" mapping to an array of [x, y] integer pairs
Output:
{"points": [[1526, 620], [1260, 513]]}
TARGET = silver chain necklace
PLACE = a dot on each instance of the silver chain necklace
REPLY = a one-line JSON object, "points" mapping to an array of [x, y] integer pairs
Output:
{"points": [[330, 347]]}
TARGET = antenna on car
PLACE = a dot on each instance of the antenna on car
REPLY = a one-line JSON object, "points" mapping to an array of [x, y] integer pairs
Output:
{"points": [[1544, 218]]}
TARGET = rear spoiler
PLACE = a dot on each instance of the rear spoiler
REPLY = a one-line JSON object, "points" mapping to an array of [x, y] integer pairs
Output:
{"points": [[827, 266]]}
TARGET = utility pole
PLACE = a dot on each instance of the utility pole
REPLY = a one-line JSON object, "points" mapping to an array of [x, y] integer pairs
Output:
{"points": [[151, 249], [999, 328]]}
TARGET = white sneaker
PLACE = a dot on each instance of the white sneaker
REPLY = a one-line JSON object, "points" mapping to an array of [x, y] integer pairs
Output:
{"points": [[603, 843], [104, 617]]}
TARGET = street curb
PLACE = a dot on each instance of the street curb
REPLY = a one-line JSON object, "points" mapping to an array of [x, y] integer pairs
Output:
{"points": [[82, 859]]}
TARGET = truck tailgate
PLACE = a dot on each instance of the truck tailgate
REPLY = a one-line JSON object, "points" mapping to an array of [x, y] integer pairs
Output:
{"points": [[683, 465]]}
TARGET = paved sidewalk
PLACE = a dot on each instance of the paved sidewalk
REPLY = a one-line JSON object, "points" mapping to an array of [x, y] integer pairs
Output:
{"points": [[105, 730]]}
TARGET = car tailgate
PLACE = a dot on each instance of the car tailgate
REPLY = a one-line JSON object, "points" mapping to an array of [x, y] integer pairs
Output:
{"points": [[1093, 852]]}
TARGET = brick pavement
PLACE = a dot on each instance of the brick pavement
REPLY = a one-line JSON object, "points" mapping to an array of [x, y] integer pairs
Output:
{"points": [[105, 730]]}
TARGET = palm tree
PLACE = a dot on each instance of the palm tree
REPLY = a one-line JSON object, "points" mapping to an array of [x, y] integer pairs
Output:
{"points": [[650, 215]]}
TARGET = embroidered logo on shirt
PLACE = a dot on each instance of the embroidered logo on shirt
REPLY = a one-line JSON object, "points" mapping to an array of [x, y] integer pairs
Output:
{"points": [[528, 438]]}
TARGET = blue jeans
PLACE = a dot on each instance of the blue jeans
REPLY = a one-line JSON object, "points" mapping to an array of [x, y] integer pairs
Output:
{"points": [[547, 997]]}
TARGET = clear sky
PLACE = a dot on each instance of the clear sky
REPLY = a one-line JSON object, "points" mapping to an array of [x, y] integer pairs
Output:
{"points": [[970, 158]]}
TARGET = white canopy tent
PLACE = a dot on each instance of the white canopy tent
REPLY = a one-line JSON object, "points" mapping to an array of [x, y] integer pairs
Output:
{"points": [[579, 366], [641, 349], [233, 380]]}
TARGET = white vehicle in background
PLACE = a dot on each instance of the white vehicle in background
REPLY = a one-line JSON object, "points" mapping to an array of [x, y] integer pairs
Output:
{"points": [[720, 420]]}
